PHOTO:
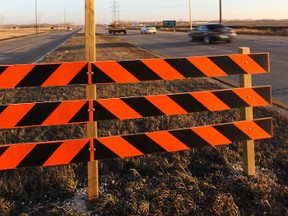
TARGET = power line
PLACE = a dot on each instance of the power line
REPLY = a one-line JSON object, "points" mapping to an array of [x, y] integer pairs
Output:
{"points": [[115, 11]]}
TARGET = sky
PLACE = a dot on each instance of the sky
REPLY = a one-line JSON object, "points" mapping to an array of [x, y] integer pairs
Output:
{"points": [[59, 11]]}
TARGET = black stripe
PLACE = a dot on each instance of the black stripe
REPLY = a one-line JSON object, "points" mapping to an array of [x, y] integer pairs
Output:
{"points": [[83, 155], [264, 92], [139, 70], [187, 102], [265, 124], [38, 75], [38, 114], [262, 60], [82, 115], [142, 106], [3, 149], [231, 132], [230, 99], [101, 113], [227, 65], [185, 67], [143, 143], [81, 77], [39, 155], [2, 108], [189, 138], [102, 152], [99, 76], [2, 69]]}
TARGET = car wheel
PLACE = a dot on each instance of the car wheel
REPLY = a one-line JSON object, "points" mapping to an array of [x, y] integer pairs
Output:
{"points": [[192, 39], [207, 39]]}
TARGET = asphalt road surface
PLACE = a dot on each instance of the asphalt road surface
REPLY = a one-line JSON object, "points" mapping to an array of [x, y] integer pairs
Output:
{"points": [[31, 48], [177, 44]]}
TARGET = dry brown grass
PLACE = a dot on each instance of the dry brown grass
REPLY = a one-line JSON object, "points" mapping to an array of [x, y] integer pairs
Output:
{"points": [[206, 181], [20, 32]]}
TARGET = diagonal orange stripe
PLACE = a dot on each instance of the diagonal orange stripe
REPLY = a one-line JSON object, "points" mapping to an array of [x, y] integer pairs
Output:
{"points": [[211, 135], [118, 108], [13, 114], [167, 141], [252, 130], [163, 69], [64, 74], [14, 155], [250, 97], [206, 66], [247, 63], [116, 72], [120, 146], [166, 105], [13, 75], [210, 101], [66, 152], [64, 112]]}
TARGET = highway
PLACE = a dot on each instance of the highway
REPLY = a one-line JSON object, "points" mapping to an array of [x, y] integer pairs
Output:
{"points": [[31, 48], [177, 44]]}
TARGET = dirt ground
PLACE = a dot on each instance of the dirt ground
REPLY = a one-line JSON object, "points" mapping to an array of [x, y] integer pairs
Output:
{"points": [[205, 181]]}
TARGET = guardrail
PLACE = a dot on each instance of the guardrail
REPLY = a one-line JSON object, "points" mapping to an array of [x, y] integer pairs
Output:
{"points": [[57, 152]]}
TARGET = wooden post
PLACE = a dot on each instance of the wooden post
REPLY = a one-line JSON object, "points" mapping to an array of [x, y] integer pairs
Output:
{"points": [[247, 114], [90, 45]]}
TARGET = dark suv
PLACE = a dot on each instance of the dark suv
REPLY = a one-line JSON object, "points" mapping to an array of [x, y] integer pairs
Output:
{"points": [[212, 32]]}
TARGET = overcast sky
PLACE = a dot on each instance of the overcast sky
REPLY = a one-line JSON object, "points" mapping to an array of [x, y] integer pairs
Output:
{"points": [[58, 11]]}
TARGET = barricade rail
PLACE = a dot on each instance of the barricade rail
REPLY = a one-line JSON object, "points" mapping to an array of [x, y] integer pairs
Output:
{"points": [[80, 111]]}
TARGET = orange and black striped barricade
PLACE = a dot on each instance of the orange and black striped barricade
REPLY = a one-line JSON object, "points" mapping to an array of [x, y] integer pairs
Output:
{"points": [[56, 152]]}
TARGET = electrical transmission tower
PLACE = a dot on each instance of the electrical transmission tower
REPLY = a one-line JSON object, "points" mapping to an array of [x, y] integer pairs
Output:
{"points": [[116, 11]]}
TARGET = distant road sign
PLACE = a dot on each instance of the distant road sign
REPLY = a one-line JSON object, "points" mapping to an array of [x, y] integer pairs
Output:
{"points": [[169, 23]]}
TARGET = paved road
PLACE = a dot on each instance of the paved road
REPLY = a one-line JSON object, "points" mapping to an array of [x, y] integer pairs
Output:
{"points": [[177, 44], [31, 48]]}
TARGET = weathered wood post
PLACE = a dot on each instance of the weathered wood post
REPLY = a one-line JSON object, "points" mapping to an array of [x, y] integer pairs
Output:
{"points": [[90, 45], [247, 114]]}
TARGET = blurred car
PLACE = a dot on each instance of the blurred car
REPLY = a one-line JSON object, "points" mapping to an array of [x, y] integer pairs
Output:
{"points": [[148, 30], [69, 28], [212, 32]]}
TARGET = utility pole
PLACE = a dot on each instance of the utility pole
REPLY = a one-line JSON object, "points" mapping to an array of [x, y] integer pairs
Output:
{"points": [[190, 14], [220, 11], [115, 11], [64, 19], [36, 17], [1, 22]]}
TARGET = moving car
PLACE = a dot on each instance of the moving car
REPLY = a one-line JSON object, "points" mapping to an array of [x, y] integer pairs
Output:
{"points": [[148, 30], [212, 32]]}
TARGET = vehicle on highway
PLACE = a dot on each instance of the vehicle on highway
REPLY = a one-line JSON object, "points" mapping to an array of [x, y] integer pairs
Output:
{"points": [[69, 28], [148, 30], [116, 28], [212, 32]]}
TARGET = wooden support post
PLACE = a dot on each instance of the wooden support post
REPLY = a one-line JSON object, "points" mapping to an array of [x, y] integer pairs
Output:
{"points": [[90, 45], [247, 114]]}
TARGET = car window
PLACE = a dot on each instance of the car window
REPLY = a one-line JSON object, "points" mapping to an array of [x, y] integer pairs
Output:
{"points": [[216, 26], [200, 28]]}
